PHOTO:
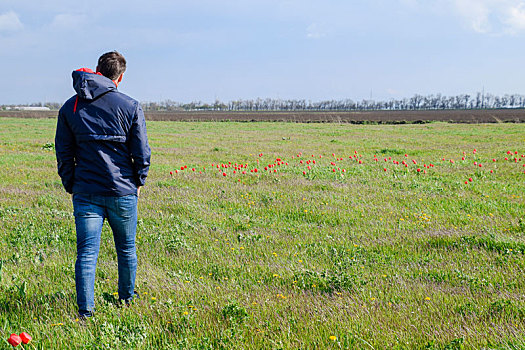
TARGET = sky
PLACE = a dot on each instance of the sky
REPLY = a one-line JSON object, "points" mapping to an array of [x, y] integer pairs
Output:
{"points": [[202, 50]]}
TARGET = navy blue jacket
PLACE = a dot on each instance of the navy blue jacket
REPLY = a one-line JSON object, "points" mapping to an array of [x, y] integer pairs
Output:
{"points": [[101, 141]]}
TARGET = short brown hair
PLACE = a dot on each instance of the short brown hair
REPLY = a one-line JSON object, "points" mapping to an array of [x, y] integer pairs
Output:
{"points": [[111, 65]]}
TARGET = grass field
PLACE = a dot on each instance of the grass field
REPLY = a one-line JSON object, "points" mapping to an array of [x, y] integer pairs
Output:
{"points": [[379, 256]]}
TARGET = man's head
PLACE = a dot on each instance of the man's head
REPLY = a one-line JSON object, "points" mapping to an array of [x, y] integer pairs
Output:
{"points": [[112, 65]]}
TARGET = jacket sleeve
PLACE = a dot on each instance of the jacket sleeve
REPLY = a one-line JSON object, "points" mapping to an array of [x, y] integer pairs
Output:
{"points": [[139, 147], [65, 153]]}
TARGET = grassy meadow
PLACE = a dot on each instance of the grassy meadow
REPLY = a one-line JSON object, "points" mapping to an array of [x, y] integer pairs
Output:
{"points": [[378, 256]]}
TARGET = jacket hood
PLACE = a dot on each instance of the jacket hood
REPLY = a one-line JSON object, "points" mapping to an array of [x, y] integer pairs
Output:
{"points": [[90, 85]]}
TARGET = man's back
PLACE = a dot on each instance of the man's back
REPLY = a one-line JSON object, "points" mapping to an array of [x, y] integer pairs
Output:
{"points": [[108, 133], [103, 158]]}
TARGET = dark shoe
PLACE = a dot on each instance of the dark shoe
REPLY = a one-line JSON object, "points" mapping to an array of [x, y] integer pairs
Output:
{"points": [[129, 301], [83, 317], [84, 314]]}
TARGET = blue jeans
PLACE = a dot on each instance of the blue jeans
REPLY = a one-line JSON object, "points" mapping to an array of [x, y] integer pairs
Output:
{"points": [[90, 212]]}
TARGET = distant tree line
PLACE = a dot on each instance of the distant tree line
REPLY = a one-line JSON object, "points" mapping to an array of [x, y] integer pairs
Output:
{"points": [[50, 105], [417, 102]]}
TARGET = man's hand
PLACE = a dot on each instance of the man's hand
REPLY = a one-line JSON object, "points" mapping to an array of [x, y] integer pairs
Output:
{"points": [[138, 191]]}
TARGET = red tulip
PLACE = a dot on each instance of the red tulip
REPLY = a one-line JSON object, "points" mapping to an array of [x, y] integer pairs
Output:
{"points": [[304, 172], [26, 338], [418, 170], [493, 159], [223, 174], [491, 171], [14, 340], [384, 169], [470, 179], [181, 168], [466, 182], [171, 173]]}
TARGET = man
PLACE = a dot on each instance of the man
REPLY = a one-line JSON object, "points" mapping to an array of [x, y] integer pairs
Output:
{"points": [[103, 159]]}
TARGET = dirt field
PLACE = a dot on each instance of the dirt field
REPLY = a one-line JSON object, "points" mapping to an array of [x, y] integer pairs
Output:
{"points": [[380, 117]]}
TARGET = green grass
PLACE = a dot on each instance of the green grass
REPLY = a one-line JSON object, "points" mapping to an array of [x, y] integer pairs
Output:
{"points": [[362, 259]]}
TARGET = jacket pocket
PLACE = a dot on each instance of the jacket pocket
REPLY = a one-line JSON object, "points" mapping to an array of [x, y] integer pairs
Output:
{"points": [[95, 137]]}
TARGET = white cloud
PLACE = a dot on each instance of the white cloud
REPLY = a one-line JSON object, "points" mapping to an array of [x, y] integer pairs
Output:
{"points": [[482, 16], [393, 92], [516, 17], [476, 13], [67, 21], [492, 16], [9, 22], [316, 31]]}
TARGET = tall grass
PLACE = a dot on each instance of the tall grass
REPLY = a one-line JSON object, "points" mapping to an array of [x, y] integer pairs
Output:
{"points": [[364, 258]]}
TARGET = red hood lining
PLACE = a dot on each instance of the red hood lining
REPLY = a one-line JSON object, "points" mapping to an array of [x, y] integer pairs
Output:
{"points": [[87, 70]]}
